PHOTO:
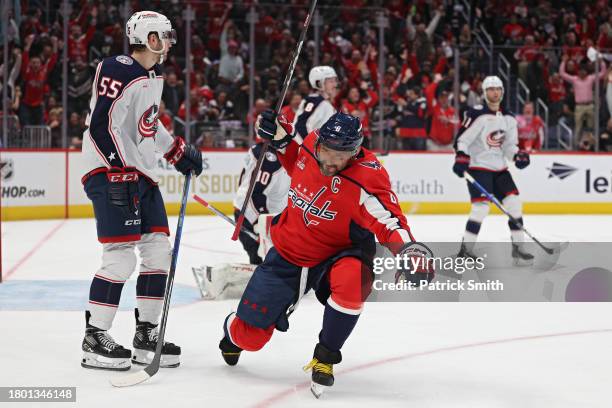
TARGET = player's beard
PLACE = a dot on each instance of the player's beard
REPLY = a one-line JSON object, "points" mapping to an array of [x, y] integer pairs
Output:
{"points": [[327, 170]]}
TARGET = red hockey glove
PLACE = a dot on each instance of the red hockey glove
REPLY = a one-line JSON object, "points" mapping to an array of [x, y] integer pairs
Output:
{"points": [[185, 157], [268, 128]]}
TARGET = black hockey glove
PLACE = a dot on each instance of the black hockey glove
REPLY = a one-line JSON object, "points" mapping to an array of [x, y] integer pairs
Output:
{"points": [[416, 265], [185, 157], [268, 129], [462, 162], [123, 189], [521, 159]]}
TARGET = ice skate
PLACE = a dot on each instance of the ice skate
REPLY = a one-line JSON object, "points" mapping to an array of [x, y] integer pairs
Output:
{"points": [[145, 342], [100, 351], [520, 257], [322, 366], [229, 351], [464, 252]]}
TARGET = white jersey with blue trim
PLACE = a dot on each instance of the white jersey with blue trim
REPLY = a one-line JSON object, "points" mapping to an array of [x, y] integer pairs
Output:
{"points": [[123, 129], [313, 112], [488, 137], [271, 188]]}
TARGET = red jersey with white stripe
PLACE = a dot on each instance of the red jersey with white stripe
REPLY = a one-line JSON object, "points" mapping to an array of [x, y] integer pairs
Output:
{"points": [[123, 127], [326, 215]]}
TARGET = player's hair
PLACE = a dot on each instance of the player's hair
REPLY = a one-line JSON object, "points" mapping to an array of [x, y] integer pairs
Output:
{"points": [[141, 47]]}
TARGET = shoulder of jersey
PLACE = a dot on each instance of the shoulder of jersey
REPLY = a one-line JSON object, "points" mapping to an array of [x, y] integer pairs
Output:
{"points": [[366, 169], [314, 98], [309, 140], [508, 112], [270, 154], [122, 68], [475, 111]]}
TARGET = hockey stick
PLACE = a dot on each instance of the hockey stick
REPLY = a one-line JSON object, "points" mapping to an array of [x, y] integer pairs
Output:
{"points": [[516, 222], [220, 214], [279, 106], [150, 370]]}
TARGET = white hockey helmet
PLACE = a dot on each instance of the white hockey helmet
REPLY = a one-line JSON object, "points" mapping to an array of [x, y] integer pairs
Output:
{"points": [[142, 23], [318, 75], [492, 82]]}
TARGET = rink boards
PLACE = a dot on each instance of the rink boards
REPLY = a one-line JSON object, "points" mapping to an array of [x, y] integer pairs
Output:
{"points": [[37, 184]]}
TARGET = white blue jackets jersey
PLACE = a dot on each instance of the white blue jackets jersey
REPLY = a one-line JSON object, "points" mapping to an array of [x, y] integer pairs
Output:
{"points": [[313, 112], [123, 127], [270, 191], [488, 137]]}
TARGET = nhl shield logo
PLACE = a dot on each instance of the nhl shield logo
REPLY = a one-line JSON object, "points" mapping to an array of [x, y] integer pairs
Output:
{"points": [[147, 125], [6, 169]]}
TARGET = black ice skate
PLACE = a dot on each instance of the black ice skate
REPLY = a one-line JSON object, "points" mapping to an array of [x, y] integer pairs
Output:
{"points": [[100, 350], [520, 257], [322, 366], [229, 351], [145, 341], [464, 252]]}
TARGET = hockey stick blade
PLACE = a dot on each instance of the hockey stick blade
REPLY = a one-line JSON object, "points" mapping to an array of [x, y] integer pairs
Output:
{"points": [[130, 379]]}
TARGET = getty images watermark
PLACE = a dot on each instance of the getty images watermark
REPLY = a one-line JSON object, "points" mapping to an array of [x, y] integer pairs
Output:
{"points": [[416, 266]]}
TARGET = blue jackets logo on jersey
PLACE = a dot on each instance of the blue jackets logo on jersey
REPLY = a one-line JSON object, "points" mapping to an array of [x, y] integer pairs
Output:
{"points": [[308, 205], [147, 125], [496, 138]]}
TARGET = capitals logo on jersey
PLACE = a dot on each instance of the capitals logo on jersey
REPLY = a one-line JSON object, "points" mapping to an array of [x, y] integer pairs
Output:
{"points": [[307, 202], [147, 125], [496, 138], [371, 164]]}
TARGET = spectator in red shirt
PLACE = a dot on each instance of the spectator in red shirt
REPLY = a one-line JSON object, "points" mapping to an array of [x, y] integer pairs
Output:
{"points": [[526, 55], [530, 129], [78, 43], [358, 103], [513, 30], [556, 96], [290, 109], [573, 50], [444, 122], [34, 74]]}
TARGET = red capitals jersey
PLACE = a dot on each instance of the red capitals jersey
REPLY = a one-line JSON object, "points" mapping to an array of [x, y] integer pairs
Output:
{"points": [[326, 215]]}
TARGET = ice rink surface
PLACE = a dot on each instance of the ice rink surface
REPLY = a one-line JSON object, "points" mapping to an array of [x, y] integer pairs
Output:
{"points": [[400, 355]]}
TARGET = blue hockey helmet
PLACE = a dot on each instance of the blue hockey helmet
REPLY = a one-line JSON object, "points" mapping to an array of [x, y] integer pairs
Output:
{"points": [[341, 132]]}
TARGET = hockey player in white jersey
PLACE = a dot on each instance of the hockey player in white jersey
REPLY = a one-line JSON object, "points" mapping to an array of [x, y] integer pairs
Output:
{"points": [[317, 107], [269, 195], [119, 149], [487, 138]]}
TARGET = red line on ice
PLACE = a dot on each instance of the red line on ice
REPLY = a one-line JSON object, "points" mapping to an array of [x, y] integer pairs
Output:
{"points": [[35, 249], [275, 398]]}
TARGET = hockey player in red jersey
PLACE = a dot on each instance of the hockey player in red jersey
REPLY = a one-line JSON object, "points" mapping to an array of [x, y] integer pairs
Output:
{"points": [[340, 198]]}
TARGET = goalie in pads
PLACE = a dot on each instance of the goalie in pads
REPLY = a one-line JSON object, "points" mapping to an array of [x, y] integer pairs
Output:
{"points": [[228, 280]]}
